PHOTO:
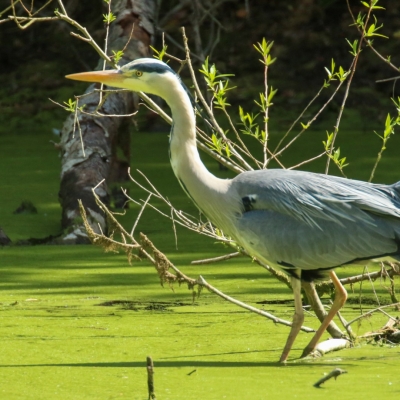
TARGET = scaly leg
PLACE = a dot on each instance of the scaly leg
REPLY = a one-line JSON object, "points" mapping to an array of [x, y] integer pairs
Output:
{"points": [[319, 309], [340, 299], [298, 318]]}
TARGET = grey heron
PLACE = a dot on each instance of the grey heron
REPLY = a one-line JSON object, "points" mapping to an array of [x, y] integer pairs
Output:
{"points": [[304, 223]]}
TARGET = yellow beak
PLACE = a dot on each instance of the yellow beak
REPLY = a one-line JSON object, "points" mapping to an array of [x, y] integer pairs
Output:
{"points": [[109, 77]]}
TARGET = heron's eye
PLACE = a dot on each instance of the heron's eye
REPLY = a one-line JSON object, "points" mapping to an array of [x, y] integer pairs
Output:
{"points": [[139, 74]]}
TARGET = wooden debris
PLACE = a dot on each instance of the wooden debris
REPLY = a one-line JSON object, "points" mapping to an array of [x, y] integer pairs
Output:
{"points": [[150, 379], [333, 374], [389, 333], [329, 345]]}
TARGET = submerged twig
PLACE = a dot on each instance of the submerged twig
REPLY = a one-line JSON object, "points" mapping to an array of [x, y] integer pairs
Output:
{"points": [[150, 379], [333, 374]]}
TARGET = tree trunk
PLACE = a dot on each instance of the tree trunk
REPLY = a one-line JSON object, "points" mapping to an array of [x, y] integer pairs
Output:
{"points": [[88, 161]]}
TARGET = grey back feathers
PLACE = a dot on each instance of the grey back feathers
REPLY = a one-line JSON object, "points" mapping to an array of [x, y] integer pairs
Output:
{"points": [[310, 221]]}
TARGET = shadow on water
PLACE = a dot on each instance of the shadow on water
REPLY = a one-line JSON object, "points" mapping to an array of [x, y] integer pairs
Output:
{"points": [[171, 364]]}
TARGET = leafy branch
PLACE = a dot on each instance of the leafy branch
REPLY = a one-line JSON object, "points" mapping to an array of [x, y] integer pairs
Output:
{"points": [[388, 131]]}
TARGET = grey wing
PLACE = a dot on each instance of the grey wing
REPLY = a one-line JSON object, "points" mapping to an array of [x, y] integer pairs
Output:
{"points": [[312, 221]]}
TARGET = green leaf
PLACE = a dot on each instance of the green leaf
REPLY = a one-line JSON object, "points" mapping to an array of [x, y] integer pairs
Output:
{"points": [[264, 49], [353, 46], [117, 55], [271, 95], [71, 106], [108, 18], [332, 71], [159, 54], [306, 126], [329, 139], [227, 151], [216, 144], [388, 127]]}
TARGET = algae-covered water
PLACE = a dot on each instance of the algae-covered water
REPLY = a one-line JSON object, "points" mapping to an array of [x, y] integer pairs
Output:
{"points": [[76, 323]]}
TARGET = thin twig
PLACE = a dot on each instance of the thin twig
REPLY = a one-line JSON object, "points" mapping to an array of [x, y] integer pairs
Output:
{"points": [[346, 326], [201, 281], [208, 109], [140, 214], [216, 259], [371, 312], [352, 70], [276, 152], [307, 161], [298, 119], [368, 42], [86, 35], [388, 79], [266, 117]]}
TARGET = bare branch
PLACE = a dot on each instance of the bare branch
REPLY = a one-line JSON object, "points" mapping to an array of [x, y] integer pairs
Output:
{"points": [[216, 259], [201, 281], [368, 313]]}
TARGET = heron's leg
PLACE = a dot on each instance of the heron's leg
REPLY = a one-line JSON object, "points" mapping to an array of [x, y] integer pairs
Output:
{"points": [[298, 318], [340, 299], [319, 309]]}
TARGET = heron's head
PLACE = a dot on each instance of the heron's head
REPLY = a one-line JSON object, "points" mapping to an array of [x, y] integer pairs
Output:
{"points": [[142, 75]]}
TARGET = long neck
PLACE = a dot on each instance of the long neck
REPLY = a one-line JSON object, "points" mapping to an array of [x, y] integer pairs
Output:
{"points": [[206, 190]]}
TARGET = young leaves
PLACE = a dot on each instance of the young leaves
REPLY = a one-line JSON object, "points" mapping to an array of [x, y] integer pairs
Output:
{"points": [[341, 74], [219, 146], [159, 54], [250, 127], [373, 5], [388, 131], [217, 83], [117, 55], [72, 106], [108, 18], [354, 47], [373, 28], [264, 49], [335, 154]]}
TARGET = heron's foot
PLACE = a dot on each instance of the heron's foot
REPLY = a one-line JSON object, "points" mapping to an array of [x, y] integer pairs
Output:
{"points": [[284, 357], [307, 351]]}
